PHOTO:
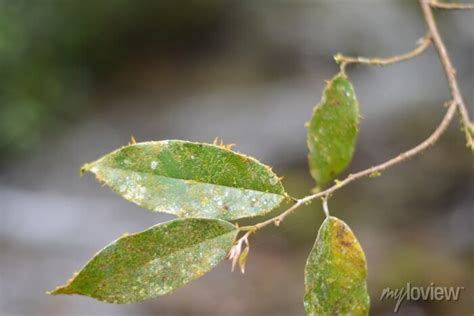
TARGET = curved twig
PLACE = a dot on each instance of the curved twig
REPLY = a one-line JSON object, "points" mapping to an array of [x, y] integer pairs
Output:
{"points": [[451, 6], [449, 71], [423, 44]]}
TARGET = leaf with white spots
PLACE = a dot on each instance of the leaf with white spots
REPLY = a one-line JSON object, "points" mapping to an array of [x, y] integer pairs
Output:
{"points": [[153, 262], [332, 130], [336, 273], [190, 179]]}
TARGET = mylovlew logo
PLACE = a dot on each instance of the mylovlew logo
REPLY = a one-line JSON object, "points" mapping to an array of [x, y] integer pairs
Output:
{"points": [[416, 293]]}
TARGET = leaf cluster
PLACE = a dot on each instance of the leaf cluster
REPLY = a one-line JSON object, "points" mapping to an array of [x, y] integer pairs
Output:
{"points": [[206, 186]]}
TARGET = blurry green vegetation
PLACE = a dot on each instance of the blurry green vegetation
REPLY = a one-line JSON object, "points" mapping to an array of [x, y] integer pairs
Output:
{"points": [[54, 54]]}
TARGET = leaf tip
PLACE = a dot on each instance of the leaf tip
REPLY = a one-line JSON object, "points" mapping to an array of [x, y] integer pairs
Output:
{"points": [[84, 168], [64, 289]]}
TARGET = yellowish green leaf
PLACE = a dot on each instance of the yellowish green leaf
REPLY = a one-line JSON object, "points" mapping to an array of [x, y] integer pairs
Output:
{"points": [[336, 272], [153, 262]]}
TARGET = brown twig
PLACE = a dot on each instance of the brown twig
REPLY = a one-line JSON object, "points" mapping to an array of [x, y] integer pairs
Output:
{"points": [[449, 71], [423, 44], [451, 6], [456, 103]]}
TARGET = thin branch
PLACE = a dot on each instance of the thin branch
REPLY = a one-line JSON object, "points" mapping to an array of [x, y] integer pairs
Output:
{"points": [[451, 6], [457, 103], [431, 140], [423, 44], [449, 71]]}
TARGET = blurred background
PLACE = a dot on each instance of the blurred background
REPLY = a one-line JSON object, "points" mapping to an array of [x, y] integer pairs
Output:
{"points": [[78, 78]]}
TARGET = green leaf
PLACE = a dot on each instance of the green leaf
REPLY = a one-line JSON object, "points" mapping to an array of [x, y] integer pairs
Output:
{"points": [[332, 130], [190, 179], [336, 272], [153, 262]]}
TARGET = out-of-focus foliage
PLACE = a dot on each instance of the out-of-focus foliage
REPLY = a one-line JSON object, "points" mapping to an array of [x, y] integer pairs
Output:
{"points": [[53, 52]]}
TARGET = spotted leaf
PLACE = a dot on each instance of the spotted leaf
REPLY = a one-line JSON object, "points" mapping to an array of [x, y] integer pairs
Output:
{"points": [[336, 272], [153, 262], [190, 179], [332, 130]]}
